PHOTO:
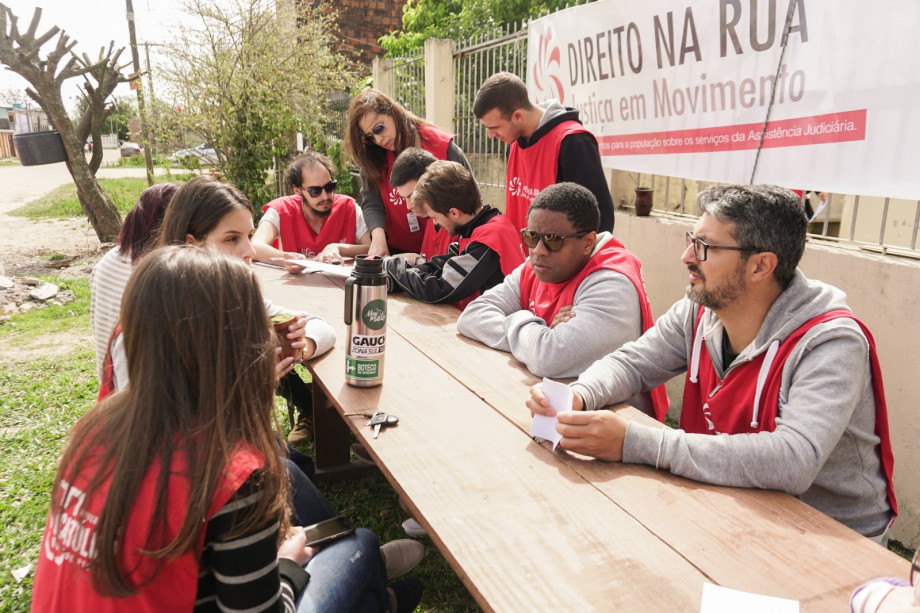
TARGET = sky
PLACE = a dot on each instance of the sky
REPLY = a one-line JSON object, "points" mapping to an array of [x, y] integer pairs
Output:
{"points": [[93, 24]]}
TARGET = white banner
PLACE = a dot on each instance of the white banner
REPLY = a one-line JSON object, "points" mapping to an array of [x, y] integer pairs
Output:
{"points": [[685, 88]]}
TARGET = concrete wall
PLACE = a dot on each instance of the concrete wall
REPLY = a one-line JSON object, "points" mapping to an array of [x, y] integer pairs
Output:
{"points": [[882, 291]]}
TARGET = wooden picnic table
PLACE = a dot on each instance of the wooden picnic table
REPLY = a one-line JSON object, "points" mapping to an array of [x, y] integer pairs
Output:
{"points": [[529, 529]]}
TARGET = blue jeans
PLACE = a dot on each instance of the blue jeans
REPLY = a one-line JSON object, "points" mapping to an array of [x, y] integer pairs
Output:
{"points": [[346, 576], [309, 505]]}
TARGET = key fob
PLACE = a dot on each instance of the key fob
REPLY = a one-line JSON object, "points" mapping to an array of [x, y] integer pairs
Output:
{"points": [[377, 419]]}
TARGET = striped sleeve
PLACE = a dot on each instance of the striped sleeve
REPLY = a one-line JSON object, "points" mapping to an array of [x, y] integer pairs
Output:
{"points": [[244, 574]]}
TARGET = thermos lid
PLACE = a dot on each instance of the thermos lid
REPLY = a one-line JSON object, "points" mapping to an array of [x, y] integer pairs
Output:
{"points": [[368, 265]]}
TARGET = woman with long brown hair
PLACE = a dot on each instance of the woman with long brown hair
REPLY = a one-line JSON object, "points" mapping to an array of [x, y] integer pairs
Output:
{"points": [[379, 129], [172, 494]]}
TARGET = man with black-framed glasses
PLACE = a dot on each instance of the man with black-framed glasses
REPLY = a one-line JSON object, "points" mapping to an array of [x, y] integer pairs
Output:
{"points": [[783, 387], [314, 222], [579, 296]]}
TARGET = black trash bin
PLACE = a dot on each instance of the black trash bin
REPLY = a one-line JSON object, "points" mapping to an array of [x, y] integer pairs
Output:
{"points": [[34, 148]]}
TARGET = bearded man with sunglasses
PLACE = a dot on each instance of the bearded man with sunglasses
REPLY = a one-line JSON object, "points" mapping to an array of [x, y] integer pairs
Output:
{"points": [[783, 388], [580, 295], [314, 222]]}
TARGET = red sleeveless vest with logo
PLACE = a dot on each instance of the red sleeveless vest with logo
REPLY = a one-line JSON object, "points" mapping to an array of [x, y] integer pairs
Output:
{"points": [[501, 237], [298, 237], [435, 241], [532, 169], [545, 299], [729, 407], [400, 234], [62, 582]]}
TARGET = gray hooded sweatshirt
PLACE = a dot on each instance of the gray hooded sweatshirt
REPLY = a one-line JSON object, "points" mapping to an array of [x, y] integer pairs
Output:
{"points": [[607, 315], [824, 448]]}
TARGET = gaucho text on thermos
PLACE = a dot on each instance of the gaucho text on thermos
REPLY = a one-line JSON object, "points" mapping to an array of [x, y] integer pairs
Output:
{"points": [[366, 317]]}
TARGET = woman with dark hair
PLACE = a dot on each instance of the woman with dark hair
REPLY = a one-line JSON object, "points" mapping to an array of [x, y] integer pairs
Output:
{"points": [[171, 495], [210, 213], [138, 235], [379, 129]]}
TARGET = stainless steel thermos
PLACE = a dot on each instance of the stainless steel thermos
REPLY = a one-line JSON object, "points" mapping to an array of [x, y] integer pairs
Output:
{"points": [[366, 318]]}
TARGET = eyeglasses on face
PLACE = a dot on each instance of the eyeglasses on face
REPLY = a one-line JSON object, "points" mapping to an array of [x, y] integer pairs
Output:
{"points": [[701, 248], [375, 131], [316, 190], [553, 242]]}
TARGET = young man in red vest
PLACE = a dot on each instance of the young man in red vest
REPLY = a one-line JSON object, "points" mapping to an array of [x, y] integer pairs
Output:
{"points": [[579, 296], [783, 388], [546, 144], [486, 246], [408, 168], [314, 222]]}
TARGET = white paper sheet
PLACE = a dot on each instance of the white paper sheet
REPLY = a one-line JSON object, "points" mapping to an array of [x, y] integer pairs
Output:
{"points": [[718, 599], [341, 270], [560, 398]]}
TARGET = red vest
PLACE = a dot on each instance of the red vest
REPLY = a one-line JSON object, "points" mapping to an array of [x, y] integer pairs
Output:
{"points": [[545, 299], [298, 237], [107, 383], [729, 407], [400, 235], [501, 237], [435, 241], [533, 169], [61, 580]]}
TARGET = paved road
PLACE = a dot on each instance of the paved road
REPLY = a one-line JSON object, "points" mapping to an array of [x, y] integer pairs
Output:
{"points": [[24, 241], [21, 184]]}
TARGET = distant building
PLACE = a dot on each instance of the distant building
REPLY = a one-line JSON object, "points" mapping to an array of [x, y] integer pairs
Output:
{"points": [[361, 23], [21, 119]]}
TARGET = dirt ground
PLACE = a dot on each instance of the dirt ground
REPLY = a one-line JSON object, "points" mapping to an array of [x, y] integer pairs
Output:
{"points": [[25, 244]]}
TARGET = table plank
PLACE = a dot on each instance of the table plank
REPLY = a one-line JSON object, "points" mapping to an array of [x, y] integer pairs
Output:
{"points": [[758, 541], [799, 552], [503, 510]]}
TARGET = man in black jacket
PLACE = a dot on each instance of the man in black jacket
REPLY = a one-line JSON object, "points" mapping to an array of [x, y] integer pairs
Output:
{"points": [[547, 145]]}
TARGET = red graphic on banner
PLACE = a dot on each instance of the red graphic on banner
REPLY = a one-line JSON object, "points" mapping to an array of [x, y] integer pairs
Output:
{"points": [[547, 68], [841, 127]]}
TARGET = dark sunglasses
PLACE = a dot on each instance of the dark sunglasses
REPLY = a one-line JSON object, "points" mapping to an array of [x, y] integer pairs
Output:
{"points": [[375, 131], [316, 190], [553, 242]]}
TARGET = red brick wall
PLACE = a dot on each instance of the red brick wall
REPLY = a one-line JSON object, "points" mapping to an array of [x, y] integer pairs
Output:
{"points": [[362, 22]]}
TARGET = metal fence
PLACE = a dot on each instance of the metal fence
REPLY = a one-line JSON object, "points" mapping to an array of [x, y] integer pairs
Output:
{"points": [[409, 80], [474, 61]]}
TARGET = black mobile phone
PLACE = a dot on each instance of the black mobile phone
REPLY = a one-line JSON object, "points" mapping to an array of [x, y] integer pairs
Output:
{"points": [[328, 530]]}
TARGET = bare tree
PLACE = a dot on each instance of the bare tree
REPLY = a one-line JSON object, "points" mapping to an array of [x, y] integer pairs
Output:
{"points": [[19, 51]]}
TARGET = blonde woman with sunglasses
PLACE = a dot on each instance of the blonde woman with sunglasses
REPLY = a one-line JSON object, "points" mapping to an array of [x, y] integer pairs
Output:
{"points": [[379, 129]]}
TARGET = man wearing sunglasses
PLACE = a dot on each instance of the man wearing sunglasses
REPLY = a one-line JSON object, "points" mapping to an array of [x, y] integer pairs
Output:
{"points": [[546, 144], [783, 388], [486, 246], [578, 297], [314, 222]]}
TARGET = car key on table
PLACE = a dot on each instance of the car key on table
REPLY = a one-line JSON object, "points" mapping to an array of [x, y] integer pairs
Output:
{"points": [[380, 419]]}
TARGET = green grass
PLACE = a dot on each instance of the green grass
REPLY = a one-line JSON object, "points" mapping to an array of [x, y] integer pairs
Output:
{"points": [[62, 203], [41, 397]]}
